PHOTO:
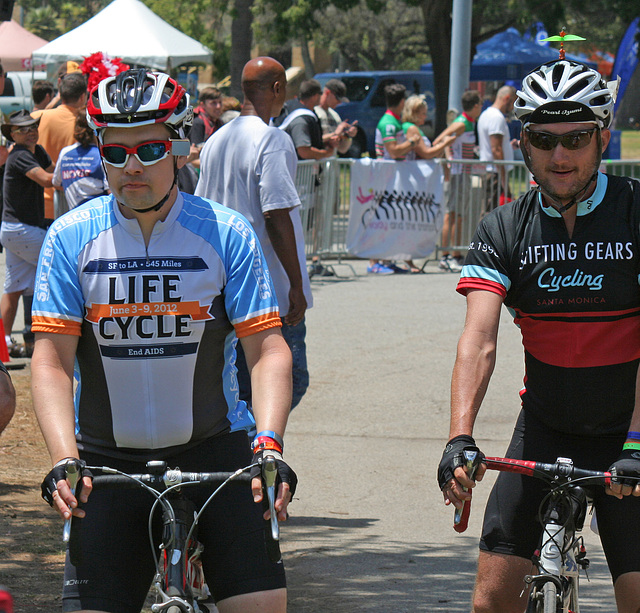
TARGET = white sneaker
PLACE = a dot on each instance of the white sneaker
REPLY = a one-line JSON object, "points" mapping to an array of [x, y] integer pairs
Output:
{"points": [[449, 264]]}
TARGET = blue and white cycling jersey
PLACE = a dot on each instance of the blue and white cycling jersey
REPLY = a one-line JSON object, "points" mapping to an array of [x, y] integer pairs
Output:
{"points": [[157, 326], [79, 172]]}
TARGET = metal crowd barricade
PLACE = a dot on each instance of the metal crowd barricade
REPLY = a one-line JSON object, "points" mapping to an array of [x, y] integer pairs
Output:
{"points": [[324, 189], [622, 168], [471, 192]]}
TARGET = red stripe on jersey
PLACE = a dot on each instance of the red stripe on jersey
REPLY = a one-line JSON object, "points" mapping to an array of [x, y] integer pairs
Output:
{"points": [[467, 283], [568, 343]]}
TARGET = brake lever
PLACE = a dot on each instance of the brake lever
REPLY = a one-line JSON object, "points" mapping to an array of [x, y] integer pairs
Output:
{"points": [[269, 474], [73, 474], [461, 516]]}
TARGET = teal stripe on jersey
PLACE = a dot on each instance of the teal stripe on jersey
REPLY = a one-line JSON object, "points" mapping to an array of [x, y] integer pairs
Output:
{"points": [[480, 272]]}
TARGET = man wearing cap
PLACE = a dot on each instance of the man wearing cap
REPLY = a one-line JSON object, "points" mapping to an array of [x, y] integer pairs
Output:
{"points": [[333, 127], [27, 172], [303, 125], [564, 258]]}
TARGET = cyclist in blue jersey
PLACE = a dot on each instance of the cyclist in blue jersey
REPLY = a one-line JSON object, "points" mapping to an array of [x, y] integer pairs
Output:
{"points": [[146, 293], [564, 258]]}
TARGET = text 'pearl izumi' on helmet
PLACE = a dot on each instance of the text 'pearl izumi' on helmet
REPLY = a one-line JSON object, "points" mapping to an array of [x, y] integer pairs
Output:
{"points": [[565, 91], [136, 98]]}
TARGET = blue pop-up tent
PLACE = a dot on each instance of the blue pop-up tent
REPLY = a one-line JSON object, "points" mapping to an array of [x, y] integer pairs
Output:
{"points": [[507, 56]]}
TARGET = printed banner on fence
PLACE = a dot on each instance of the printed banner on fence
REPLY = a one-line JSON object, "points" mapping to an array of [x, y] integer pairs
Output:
{"points": [[396, 209]]}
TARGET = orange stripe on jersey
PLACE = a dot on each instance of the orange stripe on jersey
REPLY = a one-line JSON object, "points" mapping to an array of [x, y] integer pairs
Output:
{"points": [[97, 311], [258, 324], [55, 326]]}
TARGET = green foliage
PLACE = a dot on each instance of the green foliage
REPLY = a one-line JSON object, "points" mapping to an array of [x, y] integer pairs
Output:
{"points": [[43, 22], [58, 16], [198, 19], [392, 39], [282, 21]]}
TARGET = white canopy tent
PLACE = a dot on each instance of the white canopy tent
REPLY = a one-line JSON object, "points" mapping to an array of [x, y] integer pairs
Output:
{"points": [[130, 30]]}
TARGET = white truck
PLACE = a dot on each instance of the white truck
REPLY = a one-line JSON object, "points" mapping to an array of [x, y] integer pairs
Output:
{"points": [[17, 90]]}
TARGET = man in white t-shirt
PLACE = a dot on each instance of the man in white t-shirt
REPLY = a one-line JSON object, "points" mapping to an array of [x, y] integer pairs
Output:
{"points": [[495, 144], [250, 167]]}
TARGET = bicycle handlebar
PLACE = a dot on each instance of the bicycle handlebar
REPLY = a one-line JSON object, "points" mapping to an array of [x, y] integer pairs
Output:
{"points": [[169, 478], [560, 471], [160, 478]]}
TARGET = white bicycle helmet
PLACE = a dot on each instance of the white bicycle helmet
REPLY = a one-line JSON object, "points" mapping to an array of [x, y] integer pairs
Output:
{"points": [[565, 91], [136, 98]]}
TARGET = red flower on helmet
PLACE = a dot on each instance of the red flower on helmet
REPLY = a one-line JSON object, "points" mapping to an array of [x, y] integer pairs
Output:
{"points": [[99, 66]]}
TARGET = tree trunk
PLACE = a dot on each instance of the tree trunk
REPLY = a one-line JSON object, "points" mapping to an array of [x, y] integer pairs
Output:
{"points": [[309, 68], [241, 43], [437, 21]]}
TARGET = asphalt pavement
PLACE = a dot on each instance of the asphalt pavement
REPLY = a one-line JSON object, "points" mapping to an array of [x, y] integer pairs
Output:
{"points": [[368, 530]]}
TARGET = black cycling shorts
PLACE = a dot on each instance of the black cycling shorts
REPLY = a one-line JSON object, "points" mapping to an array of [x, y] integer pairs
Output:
{"points": [[117, 567], [511, 524]]}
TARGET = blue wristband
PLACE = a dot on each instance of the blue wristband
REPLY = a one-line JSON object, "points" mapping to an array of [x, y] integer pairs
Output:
{"points": [[276, 437], [635, 436]]}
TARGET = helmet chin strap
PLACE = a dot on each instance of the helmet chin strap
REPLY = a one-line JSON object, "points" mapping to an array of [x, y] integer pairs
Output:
{"points": [[563, 208], [157, 207]]}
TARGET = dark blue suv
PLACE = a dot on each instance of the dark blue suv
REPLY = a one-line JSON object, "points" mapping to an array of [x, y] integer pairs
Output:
{"points": [[365, 91]]}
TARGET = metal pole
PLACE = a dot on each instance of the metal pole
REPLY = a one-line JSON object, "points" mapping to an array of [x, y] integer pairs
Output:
{"points": [[460, 51]]}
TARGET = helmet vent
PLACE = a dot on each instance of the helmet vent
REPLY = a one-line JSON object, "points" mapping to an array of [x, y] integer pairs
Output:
{"points": [[576, 88], [538, 90], [556, 74]]}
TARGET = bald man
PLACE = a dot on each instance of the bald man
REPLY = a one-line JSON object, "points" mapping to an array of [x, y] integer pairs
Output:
{"points": [[250, 167], [495, 144]]}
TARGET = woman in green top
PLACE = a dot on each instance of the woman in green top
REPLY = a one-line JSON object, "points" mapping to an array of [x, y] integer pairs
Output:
{"points": [[414, 115]]}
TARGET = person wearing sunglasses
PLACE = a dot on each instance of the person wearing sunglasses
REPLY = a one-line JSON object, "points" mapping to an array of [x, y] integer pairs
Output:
{"points": [[147, 291], [564, 258], [28, 171]]}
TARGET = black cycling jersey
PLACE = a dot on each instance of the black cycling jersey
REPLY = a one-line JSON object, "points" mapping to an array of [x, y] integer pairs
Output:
{"points": [[575, 298]]}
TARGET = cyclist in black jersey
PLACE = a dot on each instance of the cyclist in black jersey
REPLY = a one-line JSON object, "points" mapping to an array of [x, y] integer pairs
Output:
{"points": [[564, 258]]}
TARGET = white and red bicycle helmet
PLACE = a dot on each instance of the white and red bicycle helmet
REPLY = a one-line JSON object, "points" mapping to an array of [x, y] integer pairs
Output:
{"points": [[565, 91], [136, 98]]}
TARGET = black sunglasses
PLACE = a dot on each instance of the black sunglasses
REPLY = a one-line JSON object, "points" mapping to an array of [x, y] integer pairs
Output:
{"points": [[571, 140]]}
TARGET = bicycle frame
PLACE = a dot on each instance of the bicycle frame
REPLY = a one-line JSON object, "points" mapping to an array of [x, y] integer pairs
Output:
{"points": [[560, 559], [179, 580], [562, 555]]}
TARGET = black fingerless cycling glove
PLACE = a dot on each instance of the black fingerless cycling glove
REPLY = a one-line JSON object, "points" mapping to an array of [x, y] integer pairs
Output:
{"points": [[453, 457], [59, 473], [285, 472], [627, 465]]}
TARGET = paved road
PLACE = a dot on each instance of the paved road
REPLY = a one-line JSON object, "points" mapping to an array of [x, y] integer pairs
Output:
{"points": [[368, 530]]}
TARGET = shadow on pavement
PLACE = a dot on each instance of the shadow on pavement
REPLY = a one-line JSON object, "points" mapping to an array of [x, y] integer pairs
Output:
{"points": [[337, 565]]}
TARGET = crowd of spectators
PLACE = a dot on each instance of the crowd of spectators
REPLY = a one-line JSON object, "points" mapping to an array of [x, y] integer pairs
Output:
{"points": [[310, 120]]}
